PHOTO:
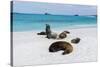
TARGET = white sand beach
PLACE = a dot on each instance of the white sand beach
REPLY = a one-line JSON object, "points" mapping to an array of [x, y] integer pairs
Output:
{"points": [[32, 49]]}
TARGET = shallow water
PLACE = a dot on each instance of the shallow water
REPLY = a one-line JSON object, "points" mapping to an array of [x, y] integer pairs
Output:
{"points": [[27, 22]]}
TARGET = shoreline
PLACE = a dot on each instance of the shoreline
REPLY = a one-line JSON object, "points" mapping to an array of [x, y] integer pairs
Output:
{"points": [[63, 28]]}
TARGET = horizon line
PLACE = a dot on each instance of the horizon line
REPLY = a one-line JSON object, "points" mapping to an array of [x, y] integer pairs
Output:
{"points": [[54, 14]]}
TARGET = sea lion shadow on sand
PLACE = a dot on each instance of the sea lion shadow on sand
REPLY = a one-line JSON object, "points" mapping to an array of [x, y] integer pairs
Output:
{"points": [[61, 45]]}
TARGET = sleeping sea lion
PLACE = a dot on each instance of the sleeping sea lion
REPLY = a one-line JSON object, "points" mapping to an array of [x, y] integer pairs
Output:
{"points": [[63, 34], [76, 40], [61, 45]]}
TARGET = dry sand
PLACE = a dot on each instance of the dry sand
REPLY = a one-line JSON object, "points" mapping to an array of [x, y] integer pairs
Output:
{"points": [[32, 49]]}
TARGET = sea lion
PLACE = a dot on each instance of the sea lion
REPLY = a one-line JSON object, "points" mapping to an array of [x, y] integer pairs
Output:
{"points": [[63, 34], [61, 45], [48, 31], [41, 33], [76, 40]]}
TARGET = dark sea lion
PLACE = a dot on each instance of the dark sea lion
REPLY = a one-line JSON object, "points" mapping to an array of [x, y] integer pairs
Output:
{"points": [[61, 45], [48, 31], [41, 33], [76, 40], [63, 34]]}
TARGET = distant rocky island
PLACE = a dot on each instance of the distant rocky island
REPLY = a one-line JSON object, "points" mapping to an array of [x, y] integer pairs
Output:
{"points": [[76, 15], [47, 14], [94, 15]]}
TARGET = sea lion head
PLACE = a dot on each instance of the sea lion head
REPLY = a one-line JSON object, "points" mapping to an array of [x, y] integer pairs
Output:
{"points": [[54, 47], [47, 24]]}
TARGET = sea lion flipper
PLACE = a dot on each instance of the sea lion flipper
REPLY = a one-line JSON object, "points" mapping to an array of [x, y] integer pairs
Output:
{"points": [[66, 52]]}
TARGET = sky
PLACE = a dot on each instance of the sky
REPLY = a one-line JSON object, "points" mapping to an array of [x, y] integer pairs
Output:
{"points": [[53, 8]]}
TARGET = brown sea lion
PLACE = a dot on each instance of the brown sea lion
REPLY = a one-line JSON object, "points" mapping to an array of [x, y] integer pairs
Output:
{"points": [[76, 40], [63, 34], [61, 45]]}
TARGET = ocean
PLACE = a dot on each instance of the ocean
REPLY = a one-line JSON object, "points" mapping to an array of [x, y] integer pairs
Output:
{"points": [[27, 22]]}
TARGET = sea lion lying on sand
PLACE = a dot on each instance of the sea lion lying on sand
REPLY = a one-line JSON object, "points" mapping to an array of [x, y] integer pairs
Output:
{"points": [[76, 40], [61, 45], [63, 34], [41, 33]]}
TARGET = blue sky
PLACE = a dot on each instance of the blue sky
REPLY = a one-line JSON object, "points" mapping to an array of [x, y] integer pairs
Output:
{"points": [[53, 8]]}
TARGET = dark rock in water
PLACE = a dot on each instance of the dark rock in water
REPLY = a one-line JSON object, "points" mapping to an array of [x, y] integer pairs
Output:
{"points": [[41, 33], [61, 45], [63, 34], [76, 40]]}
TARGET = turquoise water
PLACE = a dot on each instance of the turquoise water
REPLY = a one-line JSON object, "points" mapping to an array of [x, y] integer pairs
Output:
{"points": [[27, 22]]}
